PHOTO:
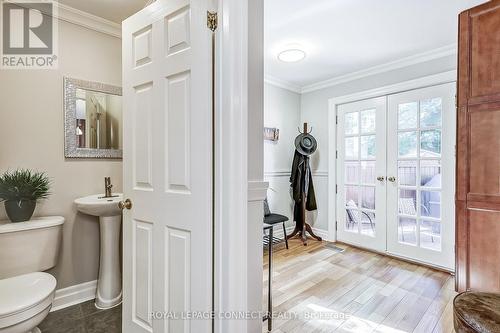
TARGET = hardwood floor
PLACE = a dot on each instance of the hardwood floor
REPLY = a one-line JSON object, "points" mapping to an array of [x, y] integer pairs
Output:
{"points": [[317, 289]]}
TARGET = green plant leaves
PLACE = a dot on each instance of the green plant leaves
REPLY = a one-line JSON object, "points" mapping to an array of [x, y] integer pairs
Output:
{"points": [[24, 184]]}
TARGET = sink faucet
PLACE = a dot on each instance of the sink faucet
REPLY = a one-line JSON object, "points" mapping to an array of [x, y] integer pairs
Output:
{"points": [[107, 187]]}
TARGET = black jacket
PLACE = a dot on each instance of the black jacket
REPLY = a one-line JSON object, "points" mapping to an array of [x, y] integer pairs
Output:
{"points": [[301, 181]]}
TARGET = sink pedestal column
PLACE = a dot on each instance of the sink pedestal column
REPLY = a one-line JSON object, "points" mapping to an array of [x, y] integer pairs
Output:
{"points": [[109, 285]]}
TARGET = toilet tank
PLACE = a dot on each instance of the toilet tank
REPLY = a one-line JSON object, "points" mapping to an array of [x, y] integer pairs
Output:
{"points": [[31, 246]]}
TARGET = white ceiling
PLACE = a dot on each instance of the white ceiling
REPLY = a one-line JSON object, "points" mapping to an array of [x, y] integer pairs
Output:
{"points": [[112, 10], [344, 36]]}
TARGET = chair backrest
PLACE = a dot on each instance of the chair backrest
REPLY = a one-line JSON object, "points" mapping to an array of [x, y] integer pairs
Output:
{"points": [[267, 211], [407, 206], [352, 211]]}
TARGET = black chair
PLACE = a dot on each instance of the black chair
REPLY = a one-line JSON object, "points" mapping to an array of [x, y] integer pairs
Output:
{"points": [[272, 219]]}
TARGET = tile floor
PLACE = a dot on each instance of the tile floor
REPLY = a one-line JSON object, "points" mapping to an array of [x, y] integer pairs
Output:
{"points": [[372, 292], [83, 318]]}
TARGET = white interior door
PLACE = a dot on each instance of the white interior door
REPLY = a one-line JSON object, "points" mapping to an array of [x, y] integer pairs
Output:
{"points": [[361, 159], [421, 173], [167, 245]]}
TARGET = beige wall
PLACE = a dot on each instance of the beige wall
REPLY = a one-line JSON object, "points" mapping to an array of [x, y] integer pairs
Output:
{"points": [[31, 136], [281, 110], [314, 110]]}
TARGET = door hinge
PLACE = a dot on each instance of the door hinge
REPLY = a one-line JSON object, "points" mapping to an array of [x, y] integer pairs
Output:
{"points": [[336, 225], [337, 154], [337, 120], [336, 188], [212, 20]]}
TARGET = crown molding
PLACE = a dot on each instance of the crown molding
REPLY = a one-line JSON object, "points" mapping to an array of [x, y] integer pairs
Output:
{"points": [[387, 67], [86, 20], [83, 19], [422, 82], [415, 59], [274, 81]]}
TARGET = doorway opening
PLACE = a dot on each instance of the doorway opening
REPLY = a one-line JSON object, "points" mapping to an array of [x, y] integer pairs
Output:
{"points": [[383, 118]]}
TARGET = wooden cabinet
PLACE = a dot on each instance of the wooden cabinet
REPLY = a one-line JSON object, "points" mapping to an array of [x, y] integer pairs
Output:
{"points": [[478, 150]]}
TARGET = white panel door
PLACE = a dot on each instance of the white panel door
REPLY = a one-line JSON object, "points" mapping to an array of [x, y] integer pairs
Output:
{"points": [[167, 234], [361, 168], [421, 173]]}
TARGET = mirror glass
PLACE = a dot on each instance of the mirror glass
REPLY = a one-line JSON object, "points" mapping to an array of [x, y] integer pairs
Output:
{"points": [[92, 119], [98, 120]]}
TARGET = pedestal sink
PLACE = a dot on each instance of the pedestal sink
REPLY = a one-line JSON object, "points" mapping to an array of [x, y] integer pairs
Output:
{"points": [[109, 284]]}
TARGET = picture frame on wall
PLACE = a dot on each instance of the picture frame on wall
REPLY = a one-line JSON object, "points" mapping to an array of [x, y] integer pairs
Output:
{"points": [[271, 134]]}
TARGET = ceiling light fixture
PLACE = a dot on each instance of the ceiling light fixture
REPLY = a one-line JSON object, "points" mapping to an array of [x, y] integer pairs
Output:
{"points": [[291, 55]]}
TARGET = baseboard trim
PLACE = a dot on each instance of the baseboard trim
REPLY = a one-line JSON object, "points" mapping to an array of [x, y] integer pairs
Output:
{"points": [[74, 295], [321, 233], [400, 257]]}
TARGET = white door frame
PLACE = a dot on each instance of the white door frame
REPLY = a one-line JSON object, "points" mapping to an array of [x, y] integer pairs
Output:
{"points": [[427, 81], [239, 186], [240, 189]]}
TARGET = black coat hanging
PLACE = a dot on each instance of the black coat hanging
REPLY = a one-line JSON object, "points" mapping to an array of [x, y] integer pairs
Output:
{"points": [[302, 184]]}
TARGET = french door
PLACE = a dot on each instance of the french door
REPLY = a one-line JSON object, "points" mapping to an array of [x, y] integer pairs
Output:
{"points": [[361, 173], [421, 175], [395, 174]]}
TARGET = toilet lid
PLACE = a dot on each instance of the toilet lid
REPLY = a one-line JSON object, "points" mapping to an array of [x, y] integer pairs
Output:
{"points": [[24, 291]]}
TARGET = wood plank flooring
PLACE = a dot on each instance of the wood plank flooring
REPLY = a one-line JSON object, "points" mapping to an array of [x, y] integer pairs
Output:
{"points": [[317, 289]]}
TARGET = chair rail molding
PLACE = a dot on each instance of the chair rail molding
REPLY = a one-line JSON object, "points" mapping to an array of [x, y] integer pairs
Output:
{"points": [[426, 81], [287, 173]]}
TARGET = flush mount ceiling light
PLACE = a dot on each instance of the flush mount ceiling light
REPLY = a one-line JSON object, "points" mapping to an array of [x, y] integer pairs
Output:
{"points": [[292, 55]]}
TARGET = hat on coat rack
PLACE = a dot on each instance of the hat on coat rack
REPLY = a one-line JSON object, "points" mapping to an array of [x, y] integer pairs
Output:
{"points": [[305, 143]]}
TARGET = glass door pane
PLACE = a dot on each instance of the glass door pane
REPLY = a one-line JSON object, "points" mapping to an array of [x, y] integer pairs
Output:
{"points": [[361, 159], [420, 142]]}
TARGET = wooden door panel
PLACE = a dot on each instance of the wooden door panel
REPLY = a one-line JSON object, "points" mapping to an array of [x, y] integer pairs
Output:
{"points": [[484, 247], [484, 172], [478, 146], [485, 51], [461, 245]]}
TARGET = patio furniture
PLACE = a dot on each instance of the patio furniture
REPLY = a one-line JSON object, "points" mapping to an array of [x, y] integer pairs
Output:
{"points": [[476, 312], [354, 215], [407, 207]]}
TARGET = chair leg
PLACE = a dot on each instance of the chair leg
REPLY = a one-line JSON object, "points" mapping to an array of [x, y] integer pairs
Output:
{"points": [[284, 233]]}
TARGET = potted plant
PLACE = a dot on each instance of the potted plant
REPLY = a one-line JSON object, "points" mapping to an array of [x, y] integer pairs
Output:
{"points": [[20, 190]]}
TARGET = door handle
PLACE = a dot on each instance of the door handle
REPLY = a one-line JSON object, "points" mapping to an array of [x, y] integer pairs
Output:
{"points": [[127, 204], [380, 178], [391, 179]]}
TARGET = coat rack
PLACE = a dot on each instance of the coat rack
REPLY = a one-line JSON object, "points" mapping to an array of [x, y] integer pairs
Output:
{"points": [[305, 129], [306, 227]]}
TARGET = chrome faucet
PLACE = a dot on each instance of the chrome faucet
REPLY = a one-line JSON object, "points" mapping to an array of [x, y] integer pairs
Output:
{"points": [[107, 187]]}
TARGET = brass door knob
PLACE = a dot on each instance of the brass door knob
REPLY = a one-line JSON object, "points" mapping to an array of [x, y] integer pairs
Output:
{"points": [[127, 204], [380, 178], [391, 179]]}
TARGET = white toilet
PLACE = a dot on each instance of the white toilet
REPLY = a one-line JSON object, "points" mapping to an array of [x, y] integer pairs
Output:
{"points": [[26, 293]]}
